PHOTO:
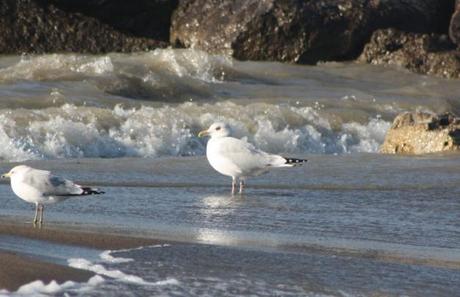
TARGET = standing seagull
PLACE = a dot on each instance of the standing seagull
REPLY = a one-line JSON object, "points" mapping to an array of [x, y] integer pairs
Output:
{"points": [[237, 158], [41, 187]]}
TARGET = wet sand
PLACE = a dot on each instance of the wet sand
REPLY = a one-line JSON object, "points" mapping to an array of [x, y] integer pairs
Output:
{"points": [[17, 270], [97, 240], [381, 255]]}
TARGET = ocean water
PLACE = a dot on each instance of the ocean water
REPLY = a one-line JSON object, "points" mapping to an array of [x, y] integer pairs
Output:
{"points": [[351, 222], [348, 225], [153, 104]]}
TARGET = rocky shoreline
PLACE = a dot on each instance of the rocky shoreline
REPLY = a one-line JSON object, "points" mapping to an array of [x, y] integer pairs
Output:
{"points": [[420, 35], [422, 133]]}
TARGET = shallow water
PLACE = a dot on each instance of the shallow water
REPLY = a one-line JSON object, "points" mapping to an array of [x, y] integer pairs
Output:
{"points": [[349, 223], [308, 231]]}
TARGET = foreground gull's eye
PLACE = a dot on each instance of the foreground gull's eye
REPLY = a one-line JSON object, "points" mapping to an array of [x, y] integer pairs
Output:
{"points": [[218, 128]]}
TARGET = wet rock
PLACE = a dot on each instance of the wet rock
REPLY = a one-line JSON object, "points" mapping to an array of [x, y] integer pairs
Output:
{"points": [[296, 30], [422, 133], [35, 26], [420, 53], [141, 18], [418, 16], [454, 27]]}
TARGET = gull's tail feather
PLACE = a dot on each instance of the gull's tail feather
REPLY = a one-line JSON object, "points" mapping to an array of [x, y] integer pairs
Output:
{"points": [[295, 162], [91, 191], [279, 161]]}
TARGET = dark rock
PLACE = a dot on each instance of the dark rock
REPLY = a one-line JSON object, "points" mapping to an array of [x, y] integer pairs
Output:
{"points": [[420, 53], [297, 30], [35, 26], [422, 133], [454, 27], [417, 16], [141, 18]]}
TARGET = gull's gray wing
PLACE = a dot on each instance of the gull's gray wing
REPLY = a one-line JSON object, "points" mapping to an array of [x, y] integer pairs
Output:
{"points": [[244, 156], [247, 158], [51, 185]]}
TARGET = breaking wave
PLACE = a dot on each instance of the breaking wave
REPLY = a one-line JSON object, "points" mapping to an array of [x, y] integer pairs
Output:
{"points": [[72, 131], [152, 104]]}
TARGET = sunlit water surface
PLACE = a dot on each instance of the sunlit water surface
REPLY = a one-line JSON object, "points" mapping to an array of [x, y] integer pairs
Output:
{"points": [[351, 222]]}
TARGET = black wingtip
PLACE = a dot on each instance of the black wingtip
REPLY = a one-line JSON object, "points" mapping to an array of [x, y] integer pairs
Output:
{"points": [[91, 191], [295, 161]]}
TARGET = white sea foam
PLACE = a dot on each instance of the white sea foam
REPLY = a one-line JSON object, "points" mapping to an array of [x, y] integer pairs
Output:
{"points": [[119, 275], [39, 288], [100, 65], [81, 263], [167, 282], [364, 138], [74, 132], [107, 257], [192, 63], [136, 249]]}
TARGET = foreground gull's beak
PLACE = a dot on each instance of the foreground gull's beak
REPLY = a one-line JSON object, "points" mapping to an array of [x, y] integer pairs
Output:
{"points": [[203, 133], [5, 175]]}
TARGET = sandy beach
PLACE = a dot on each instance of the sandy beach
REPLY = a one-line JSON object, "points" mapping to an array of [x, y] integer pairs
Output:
{"points": [[18, 269], [92, 239]]}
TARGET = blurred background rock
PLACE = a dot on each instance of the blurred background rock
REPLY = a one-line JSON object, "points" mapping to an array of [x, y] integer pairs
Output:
{"points": [[420, 35]]}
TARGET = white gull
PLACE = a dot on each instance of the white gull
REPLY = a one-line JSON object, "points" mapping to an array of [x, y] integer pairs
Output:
{"points": [[41, 187], [239, 159]]}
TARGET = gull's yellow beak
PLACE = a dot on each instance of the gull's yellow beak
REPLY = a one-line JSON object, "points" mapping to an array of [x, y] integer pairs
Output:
{"points": [[5, 175], [203, 133]]}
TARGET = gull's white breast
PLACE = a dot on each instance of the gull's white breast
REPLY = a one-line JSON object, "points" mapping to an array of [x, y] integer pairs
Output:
{"points": [[218, 157], [27, 192]]}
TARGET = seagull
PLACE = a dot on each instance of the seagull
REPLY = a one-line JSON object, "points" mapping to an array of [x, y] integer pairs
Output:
{"points": [[239, 159], [41, 187]]}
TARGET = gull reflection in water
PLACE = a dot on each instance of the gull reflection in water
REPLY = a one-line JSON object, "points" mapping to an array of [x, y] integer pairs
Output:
{"points": [[218, 210], [216, 202], [213, 236]]}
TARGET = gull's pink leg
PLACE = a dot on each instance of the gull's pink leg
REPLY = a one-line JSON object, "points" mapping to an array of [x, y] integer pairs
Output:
{"points": [[36, 214], [233, 185], [42, 210], [241, 185]]}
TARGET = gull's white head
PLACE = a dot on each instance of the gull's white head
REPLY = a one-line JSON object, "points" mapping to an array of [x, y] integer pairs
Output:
{"points": [[218, 129], [16, 171]]}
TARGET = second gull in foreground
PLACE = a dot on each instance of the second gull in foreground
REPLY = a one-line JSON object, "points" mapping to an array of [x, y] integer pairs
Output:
{"points": [[41, 187]]}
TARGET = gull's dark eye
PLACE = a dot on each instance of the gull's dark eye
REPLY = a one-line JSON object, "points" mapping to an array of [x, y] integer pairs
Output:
{"points": [[218, 128]]}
